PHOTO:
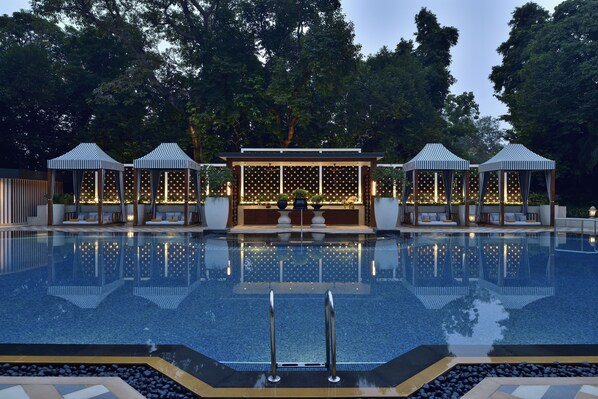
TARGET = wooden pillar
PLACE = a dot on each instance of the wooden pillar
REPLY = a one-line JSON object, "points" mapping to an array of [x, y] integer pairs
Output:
{"points": [[233, 199], [135, 196], [466, 183], [415, 198], [501, 199], [100, 197], [50, 194], [186, 207], [552, 194]]}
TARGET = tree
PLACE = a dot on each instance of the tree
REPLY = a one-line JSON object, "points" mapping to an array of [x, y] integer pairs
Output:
{"points": [[308, 56], [487, 139], [434, 53], [32, 82], [553, 95]]}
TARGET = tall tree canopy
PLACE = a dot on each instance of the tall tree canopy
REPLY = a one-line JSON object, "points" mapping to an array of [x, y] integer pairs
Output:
{"points": [[549, 81], [218, 75]]}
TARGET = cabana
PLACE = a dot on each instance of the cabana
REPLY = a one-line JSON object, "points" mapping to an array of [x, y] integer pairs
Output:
{"points": [[516, 157], [435, 157], [165, 157], [86, 156]]}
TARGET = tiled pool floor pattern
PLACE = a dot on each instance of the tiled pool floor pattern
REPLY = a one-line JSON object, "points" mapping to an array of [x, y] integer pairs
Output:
{"points": [[535, 388], [66, 388]]}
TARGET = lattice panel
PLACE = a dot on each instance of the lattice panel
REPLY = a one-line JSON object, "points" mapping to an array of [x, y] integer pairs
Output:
{"points": [[457, 189], [303, 177], [474, 186], [340, 183], [261, 183], [513, 189], [88, 187]]}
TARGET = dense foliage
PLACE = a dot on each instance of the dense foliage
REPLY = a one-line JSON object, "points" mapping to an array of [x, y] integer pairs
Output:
{"points": [[217, 75], [549, 81]]}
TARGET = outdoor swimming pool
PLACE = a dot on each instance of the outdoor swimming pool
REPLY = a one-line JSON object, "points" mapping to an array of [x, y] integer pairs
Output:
{"points": [[210, 293]]}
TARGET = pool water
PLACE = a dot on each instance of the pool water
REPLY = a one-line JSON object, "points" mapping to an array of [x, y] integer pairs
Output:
{"points": [[210, 293]]}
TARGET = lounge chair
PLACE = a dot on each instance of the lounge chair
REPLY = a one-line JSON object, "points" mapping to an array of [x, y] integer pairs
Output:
{"points": [[90, 218], [433, 219], [513, 219], [168, 219]]}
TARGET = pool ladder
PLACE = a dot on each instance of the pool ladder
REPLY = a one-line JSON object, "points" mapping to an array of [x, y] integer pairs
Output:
{"points": [[329, 321]]}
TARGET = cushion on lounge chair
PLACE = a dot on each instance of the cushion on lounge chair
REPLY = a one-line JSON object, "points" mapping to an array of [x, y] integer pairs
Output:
{"points": [[520, 217], [442, 216], [159, 216], [510, 216]]}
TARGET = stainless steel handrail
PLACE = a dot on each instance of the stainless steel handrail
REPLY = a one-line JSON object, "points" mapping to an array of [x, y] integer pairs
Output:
{"points": [[329, 319], [272, 377]]}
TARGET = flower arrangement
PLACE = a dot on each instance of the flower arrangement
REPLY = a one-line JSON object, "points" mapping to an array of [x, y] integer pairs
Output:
{"points": [[350, 202]]}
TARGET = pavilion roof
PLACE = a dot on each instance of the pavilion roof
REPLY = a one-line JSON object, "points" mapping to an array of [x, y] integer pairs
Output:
{"points": [[166, 156], [85, 156], [435, 156], [517, 157]]}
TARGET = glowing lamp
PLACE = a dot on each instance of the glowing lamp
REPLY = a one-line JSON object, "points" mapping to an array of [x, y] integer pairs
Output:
{"points": [[373, 187], [592, 211]]}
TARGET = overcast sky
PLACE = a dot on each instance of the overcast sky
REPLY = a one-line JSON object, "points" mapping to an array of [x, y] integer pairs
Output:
{"points": [[482, 26]]}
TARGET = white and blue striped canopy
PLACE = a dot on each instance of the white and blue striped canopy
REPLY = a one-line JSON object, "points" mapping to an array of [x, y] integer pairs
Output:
{"points": [[166, 156], [85, 156], [435, 156], [517, 157]]}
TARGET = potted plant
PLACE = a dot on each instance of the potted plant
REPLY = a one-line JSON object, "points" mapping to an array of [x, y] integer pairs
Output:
{"points": [[216, 205], [300, 199], [316, 201], [386, 207], [58, 202], [282, 201], [540, 200]]}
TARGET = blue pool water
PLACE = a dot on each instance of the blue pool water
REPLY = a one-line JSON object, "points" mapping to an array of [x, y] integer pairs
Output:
{"points": [[210, 293]]}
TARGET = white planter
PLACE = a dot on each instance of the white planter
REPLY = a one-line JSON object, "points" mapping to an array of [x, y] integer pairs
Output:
{"points": [[387, 212], [216, 209], [545, 214], [57, 214]]}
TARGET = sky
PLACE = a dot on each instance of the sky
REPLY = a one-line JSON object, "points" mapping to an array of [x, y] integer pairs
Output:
{"points": [[482, 25]]}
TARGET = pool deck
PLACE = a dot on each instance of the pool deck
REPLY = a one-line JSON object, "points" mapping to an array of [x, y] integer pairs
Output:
{"points": [[127, 228]]}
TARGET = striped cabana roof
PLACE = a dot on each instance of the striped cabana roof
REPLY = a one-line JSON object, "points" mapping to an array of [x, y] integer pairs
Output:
{"points": [[85, 156], [166, 156], [517, 157], [435, 156]]}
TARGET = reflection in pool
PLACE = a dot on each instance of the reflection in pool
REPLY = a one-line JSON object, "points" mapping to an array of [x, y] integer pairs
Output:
{"points": [[210, 293]]}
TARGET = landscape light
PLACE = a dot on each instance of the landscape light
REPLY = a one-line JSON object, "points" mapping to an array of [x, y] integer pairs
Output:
{"points": [[592, 211]]}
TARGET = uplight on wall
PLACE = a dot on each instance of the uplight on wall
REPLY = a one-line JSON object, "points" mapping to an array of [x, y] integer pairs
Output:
{"points": [[373, 187], [228, 190], [592, 211]]}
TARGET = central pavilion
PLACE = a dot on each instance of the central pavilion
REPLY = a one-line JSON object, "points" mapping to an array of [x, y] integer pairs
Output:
{"points": [[342, 176]]}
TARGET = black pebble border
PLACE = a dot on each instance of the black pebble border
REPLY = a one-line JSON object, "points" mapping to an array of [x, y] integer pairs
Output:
{"points": [[461, 379], [147, 381]]}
